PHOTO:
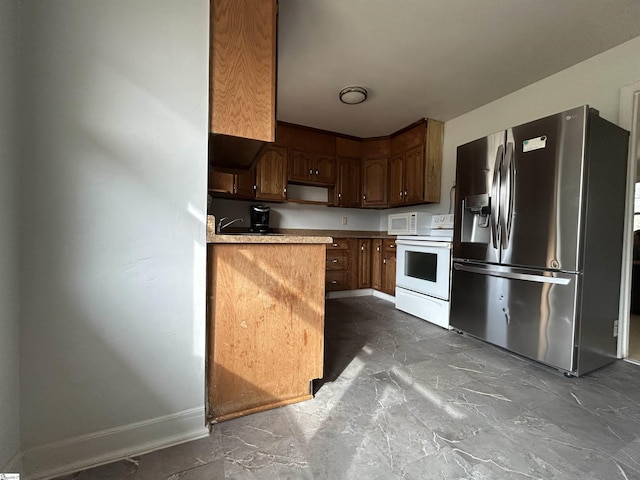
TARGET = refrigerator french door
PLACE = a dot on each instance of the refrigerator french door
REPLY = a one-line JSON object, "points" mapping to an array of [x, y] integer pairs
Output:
{"points": [[538, 231]]}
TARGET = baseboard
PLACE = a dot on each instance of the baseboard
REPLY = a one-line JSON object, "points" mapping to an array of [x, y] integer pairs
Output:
{"points": [[98, 448], [384, 296], [363, 292], [14, 465]]}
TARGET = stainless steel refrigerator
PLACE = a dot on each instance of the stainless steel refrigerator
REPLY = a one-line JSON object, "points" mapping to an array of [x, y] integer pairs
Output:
{"points": [[538, 238]]}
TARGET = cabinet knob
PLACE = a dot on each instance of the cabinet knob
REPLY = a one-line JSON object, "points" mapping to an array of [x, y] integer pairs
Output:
{"points": [[285, 189], [364, 197], [362, 248], [255, 187], [334, 281], [378, 249], [310, 171], [335, 260], [339, 195], [334, 244], [400, 194], [317, 172], [392, 246], [384, 261]]}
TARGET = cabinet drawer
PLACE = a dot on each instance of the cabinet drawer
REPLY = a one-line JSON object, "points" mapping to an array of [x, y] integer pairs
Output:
{"points": [[389, 245], [338, 260], [338, 244], [336, 280]]}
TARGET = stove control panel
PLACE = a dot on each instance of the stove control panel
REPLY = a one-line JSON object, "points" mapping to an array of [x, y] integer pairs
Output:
{"points": [[442, 221]]}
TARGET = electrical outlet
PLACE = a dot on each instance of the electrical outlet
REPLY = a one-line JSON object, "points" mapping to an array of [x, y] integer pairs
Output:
{"points": [[345, 220]]}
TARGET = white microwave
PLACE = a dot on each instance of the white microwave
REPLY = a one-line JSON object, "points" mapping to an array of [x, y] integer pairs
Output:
{"points": [[409, 223]]}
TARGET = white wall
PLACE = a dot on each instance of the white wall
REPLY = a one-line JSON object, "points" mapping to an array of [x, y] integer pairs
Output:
{"points": [[595, 81], [9, 281], [297, 215], [113, 227]]}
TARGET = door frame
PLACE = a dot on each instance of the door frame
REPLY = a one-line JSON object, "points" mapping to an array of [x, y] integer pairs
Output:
{"points": [[628, 118]]}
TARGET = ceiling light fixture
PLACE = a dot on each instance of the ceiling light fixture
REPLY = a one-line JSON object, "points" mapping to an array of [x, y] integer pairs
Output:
{"points": [[353, 95]]}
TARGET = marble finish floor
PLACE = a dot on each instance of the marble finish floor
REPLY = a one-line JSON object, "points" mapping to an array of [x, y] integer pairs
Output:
{"points": [[404, 399]]}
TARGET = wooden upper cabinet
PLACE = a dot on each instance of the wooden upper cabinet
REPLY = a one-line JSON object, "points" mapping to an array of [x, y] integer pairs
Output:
{"points": [[231, 184], [414, 178], [416, 164], [375, 172], [300, 166], [311, 168], [312, 154], [325, 170], [243, 68], [347, 190], [374, 182], [396, 180], [271, 175], [244, 183]]}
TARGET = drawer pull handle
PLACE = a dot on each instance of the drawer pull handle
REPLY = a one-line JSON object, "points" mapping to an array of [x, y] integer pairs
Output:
{"points": [[334, 281], [335, 244], [335, 260]]}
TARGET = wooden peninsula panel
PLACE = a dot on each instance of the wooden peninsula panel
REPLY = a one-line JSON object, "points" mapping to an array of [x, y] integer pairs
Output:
{"points": [[266, 326]]}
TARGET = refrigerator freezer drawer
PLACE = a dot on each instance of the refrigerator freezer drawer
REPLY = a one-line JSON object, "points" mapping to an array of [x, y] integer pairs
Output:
{"points": [[527, 313]]}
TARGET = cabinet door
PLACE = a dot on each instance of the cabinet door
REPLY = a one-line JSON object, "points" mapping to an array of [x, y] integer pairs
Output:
{"points": [[364, 263], [301, 166], [325, 170], [271, 175], [374, 182], [396, 180], [348, 182], [221, 182], [243, 68], [244, 184], [389, 267], [414, 175], [376, 264]]}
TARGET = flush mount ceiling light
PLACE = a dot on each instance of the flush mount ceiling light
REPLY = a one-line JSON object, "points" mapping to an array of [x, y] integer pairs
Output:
{"points": [[353, 95]]}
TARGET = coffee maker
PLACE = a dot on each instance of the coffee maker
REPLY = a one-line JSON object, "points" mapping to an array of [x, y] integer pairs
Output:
{"points": [[259, 219]]}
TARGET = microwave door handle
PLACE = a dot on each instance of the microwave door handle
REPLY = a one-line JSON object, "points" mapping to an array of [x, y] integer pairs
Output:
{"points": [[494, 202], [505, 196]]}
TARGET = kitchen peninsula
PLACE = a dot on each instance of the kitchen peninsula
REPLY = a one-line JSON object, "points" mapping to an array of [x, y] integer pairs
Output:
{"points": [[265, 311]]}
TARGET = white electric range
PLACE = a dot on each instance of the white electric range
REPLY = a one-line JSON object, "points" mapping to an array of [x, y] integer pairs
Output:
{"points": [[423, 275]]}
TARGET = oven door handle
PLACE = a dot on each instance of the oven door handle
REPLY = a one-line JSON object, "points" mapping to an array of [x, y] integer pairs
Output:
{"points": [[424, 243]]}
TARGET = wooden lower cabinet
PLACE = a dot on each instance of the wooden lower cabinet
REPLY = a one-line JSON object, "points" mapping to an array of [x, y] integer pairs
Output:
{"points": [[340, 261], [265, 315], [364, 263], [389, 266], [376, 264], [355, 263]]}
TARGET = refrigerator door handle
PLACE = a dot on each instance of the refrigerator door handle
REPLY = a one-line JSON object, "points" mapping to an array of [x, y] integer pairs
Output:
{"points": [[495, 195], [530, 277], [506, 196]]}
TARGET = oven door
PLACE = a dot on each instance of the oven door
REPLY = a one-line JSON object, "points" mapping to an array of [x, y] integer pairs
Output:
{"points": [[424, 267]]}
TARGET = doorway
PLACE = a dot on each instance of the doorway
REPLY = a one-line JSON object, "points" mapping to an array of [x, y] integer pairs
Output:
{"points": [[629, 314]]}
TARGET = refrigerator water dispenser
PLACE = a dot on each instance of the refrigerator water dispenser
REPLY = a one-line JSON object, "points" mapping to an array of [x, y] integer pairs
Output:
{"points": [[476, 213]]}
